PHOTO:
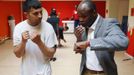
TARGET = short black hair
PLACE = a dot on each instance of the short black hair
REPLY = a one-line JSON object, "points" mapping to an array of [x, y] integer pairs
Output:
{"points": [[10, 17], [28, 4], [53, 12], [66, 27]]}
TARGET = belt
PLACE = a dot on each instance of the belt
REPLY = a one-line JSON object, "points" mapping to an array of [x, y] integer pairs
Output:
{"points": [[93, 71]]}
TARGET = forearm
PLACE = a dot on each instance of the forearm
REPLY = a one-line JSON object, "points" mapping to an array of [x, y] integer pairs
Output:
{"points": [[49, 52], [112, 43], [78, 40], [19, 50]]}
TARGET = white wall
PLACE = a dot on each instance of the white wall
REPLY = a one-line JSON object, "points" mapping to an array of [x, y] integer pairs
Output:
{"points": [[117, 9], [111, 6], [123, 6]]}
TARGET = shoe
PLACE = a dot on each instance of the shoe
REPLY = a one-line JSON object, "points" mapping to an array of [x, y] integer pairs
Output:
{"points": [[60, 45], [64, 40]]}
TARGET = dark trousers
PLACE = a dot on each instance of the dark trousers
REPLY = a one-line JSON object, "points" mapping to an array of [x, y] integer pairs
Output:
{"points": [[76, 23], [91, 72]]}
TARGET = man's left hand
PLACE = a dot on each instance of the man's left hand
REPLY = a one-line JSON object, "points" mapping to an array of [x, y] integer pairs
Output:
{"points": [[80, 46], [35, 37]]}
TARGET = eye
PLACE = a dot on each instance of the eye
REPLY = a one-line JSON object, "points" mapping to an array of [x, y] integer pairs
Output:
{"points": [[35, 13], [83, 17]]}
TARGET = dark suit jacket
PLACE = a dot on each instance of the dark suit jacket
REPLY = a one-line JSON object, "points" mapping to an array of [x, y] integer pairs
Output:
{"points": [[108, 37]]}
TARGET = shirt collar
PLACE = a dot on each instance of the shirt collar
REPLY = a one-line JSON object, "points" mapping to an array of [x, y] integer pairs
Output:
{"points": [[95, 23]]}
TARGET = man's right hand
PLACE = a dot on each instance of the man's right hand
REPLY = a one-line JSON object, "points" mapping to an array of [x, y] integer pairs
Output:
{"points": [[78, 32], [19, 50], [25, 36]]}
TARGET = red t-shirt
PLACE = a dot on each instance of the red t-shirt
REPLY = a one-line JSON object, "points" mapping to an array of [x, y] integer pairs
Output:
{"points": [[75, 15], [60, 22], [130, 49]]}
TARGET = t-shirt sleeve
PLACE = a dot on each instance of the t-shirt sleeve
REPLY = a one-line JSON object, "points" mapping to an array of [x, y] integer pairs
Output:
{"points": [[16, 36], [52, 40]]}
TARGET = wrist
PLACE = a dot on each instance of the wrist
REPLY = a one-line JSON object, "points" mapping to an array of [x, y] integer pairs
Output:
{"points": [[87, 43], [39, 43], [78, 40], [23, 42]]}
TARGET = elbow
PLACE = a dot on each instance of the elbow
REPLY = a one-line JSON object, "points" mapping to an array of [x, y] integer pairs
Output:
{"points": [[50, 55], [125, 43], [18, 55], [52, 52]]}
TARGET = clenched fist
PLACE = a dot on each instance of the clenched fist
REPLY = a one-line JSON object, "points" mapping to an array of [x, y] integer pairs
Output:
{"points": [[35, 37], [78, 32], [25, 36]]}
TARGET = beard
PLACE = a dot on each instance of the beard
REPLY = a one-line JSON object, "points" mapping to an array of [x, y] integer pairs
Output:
{"points": [[88, 24], [90, 21]]}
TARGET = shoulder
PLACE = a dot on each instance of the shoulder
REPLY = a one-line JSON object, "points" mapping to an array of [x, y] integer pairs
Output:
{"points": [[20, 25], [47, 26], [47, 29], [109, 25], [106, 23]]}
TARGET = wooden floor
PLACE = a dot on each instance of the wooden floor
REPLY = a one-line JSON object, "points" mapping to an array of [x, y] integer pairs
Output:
{"points": [[67, 62]]}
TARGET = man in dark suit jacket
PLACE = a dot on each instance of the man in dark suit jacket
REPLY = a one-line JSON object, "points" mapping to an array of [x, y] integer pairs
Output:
{"points": [[53, 19], [97, 40]]}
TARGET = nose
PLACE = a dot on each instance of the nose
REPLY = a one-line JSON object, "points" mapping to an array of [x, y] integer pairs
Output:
{"points": [[40, 15], [81, 19]]}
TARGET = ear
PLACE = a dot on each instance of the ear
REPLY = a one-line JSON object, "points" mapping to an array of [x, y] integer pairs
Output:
{"points": [[26, 14], [94, 12]]}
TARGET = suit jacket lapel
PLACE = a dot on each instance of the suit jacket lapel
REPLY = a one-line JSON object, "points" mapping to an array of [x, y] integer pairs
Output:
{"points": [[98, 26], [98, 33]]}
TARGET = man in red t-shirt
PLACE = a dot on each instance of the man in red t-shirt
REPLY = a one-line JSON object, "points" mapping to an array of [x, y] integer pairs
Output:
{"points": [[75, 17]]}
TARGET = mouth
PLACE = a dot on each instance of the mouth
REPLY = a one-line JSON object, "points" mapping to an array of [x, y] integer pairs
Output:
{"points": [[36, 23], [82, 23]]}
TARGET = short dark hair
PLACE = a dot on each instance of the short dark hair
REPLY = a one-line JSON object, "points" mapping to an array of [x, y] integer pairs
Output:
{"points": [[53, 12], [10, 17], [28, 4], [66, 27]]}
